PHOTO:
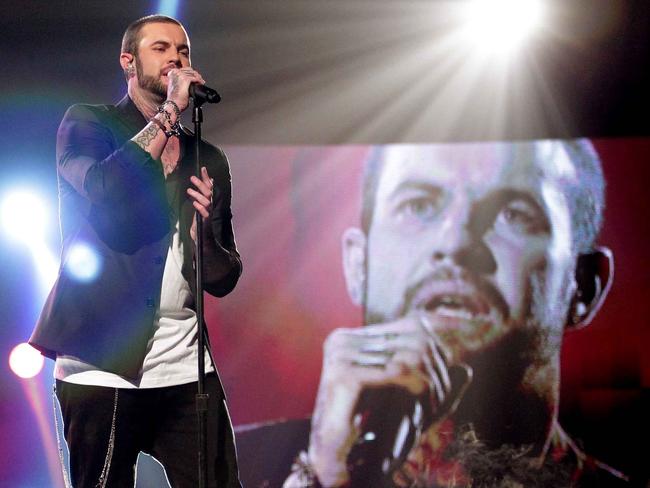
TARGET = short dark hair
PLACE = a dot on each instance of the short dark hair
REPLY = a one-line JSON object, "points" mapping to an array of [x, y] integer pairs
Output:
{"points": [[131, 36], [585, 193]]}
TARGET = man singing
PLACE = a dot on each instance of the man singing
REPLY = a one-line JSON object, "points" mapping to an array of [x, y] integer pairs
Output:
{"points": [[471, 261], [125, 340]]}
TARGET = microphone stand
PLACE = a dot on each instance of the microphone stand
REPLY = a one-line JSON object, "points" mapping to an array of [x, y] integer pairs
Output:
{"points": [[201, 94], [202, 398]]}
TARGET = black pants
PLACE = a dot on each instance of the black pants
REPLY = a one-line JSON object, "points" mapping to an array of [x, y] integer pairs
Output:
{"points": [[161, 422]]}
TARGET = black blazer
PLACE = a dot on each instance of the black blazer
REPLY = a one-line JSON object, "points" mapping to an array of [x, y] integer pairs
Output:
{"points": [[113, 197]]}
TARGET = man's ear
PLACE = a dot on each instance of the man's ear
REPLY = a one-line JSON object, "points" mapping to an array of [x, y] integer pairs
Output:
{"points": [[593, 279], [126, 62], [354, 263]]}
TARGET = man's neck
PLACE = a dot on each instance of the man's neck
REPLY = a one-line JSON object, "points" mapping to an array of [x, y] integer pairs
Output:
{"points": [[146, 102]]}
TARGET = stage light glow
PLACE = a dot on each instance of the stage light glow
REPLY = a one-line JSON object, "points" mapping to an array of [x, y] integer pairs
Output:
{"points": [[500, 26], [26, 219], [83, 263], [25, 361], [46, 263], [168, 7], [24, 216]]}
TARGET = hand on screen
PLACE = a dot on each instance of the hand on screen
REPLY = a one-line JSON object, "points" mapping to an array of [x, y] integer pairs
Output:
{"points": [[380, 385]]}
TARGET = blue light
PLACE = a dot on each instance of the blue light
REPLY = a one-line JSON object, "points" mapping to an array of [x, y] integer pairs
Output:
{"points": [[168, 7], [83, 263]]}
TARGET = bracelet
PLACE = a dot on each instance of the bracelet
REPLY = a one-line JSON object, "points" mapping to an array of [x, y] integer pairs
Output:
{"points": [[162, 126], [177, 110], [175, 128], [304, 471]]}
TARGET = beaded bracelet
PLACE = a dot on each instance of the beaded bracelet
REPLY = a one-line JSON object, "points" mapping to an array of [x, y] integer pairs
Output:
{"points": [[175, 128], [177, 110]]}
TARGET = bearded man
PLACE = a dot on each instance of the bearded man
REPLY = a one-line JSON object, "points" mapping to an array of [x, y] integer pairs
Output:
{"points": [[471, 261], [125, 339]]}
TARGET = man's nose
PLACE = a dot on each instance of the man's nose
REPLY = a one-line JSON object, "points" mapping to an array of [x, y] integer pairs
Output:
{"points": [[175, 57], [457, 243]]}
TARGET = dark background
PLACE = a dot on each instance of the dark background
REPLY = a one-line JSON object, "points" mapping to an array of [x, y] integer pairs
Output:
{"points": [[346, 72]]}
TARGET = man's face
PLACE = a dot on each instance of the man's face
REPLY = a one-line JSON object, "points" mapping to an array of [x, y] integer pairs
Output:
{"points": [[477, 237], [162, 47]]}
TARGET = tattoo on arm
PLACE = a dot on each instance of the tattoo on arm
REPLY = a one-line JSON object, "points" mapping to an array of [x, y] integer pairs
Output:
{"points": [[146, 136]]}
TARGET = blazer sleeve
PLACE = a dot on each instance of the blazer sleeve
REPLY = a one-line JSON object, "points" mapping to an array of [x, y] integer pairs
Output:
{"points": [[222, 262], [90, 160]]}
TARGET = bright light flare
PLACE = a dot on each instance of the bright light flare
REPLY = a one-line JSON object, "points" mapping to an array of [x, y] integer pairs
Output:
{"points": [[26, 219], [24, 216], [500, 26], [25, 361], [83, 263]]}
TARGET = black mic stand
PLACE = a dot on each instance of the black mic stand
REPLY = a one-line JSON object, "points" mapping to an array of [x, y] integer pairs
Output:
{"points": [[202, 398]]}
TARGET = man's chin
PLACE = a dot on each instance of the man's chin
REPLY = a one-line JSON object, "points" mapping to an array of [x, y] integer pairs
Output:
{"points": [[156, 88], [160, 92]]}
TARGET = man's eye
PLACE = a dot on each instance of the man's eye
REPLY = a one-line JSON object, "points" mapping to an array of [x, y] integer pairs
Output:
{"points": [[521, 217], [184, 53], [419, 208]]}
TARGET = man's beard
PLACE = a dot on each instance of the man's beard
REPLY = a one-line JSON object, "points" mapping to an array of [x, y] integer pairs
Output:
{"points": [[507, 466], [511, 398], [151, 84]]}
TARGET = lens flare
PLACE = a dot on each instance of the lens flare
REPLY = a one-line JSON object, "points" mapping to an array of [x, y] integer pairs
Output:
{"points": [[25, 361], [83, 263]]}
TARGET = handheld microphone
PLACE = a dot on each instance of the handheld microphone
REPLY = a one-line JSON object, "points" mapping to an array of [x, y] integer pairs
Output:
{"points": [[388, 434], [202, 93]]}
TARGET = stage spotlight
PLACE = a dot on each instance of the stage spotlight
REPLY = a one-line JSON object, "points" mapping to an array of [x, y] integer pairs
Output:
{"points": [[83, 263], [25, 361], [500, 27], [24, 216]]}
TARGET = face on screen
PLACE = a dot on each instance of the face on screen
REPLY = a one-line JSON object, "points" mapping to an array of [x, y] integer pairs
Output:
{"points": [[477, 237]]}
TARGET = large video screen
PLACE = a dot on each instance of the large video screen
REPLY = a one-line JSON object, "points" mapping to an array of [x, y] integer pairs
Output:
{"points": [[466, 314]]}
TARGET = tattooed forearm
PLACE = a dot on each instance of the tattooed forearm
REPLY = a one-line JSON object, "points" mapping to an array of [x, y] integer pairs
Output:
{"points": [[144, 138]]}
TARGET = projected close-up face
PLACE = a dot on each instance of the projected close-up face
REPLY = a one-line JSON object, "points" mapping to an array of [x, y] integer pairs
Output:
{"points": [[476, 236], [161, 47]]}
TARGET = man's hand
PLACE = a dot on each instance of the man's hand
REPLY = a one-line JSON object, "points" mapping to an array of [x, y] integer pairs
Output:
{"points": [[404, 354], [201, 198], [178, 89]]}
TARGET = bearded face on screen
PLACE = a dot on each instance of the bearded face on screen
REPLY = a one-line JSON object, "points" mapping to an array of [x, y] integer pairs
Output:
{"points": [[479, 238]]}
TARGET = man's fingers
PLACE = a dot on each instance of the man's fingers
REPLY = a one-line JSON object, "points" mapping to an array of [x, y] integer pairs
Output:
{"points": [[400, 361], [202, 210], [409, 356], [204, 186], [187, 73], [199, 197], [203, 197], [436, 386], [441, 366], [205, 177], [369, 338]]}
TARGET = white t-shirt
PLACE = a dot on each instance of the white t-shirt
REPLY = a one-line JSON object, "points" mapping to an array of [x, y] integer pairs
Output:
{"points": [[172, 351]]}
